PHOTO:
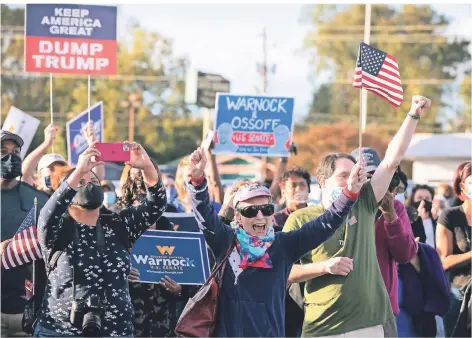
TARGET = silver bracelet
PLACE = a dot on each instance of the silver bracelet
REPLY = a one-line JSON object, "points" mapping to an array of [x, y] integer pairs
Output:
{"points": [[192, 188]]}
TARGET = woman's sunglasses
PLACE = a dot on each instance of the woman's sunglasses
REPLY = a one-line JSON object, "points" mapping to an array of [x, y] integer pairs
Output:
{"points": [[252, 210]]}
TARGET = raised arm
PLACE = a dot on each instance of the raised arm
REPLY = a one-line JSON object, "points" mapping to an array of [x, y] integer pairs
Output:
{"points": [[140, 217], [91, 137], [50, 215], [316, 231], [214, 180], [279, 171], [197, 188], [397, 147], [400, 240], [49, 224], [30, 163]]}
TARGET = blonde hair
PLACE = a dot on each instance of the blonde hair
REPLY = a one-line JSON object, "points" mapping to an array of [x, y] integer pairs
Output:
{"points": [[58, 170]]}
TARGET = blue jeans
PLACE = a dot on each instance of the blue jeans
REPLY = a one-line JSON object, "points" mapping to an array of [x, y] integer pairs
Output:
{"points": [[450, 318], [40, 331]]}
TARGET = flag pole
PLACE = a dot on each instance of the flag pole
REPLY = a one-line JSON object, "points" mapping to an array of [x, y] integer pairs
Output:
{"points": [[36, 223], [88, 96], [50, 104], [363, 92]]}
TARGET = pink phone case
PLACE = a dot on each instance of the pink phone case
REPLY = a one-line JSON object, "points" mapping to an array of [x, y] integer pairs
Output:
{"points": [[113, 152]]}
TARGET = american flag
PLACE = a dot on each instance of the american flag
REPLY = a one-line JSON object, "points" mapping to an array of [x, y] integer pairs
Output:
{"points": [[378, 72], [24, 247]]}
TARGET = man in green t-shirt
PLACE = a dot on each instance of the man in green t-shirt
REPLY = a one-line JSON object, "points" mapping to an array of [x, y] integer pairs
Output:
{"points": [[355, 302]]}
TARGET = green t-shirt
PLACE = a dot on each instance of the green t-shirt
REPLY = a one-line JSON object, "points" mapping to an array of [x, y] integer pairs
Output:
{"points": [[338, 304]]}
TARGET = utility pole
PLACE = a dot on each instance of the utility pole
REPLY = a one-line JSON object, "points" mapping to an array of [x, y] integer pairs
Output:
{"points": [[264, 70], [264, 57]]}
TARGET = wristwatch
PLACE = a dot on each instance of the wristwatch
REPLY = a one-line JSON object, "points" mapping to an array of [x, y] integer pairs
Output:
{"points": [[414, 116]]}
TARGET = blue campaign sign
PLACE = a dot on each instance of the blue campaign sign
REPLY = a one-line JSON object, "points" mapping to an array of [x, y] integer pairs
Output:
{"points": [[180, 255], [76, 142], [255, 125], [183, 221], [71, 21]]}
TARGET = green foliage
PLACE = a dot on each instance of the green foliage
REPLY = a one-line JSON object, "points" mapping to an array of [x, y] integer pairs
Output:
{"points": [[162, 122], [465, 115], [333, 45]]}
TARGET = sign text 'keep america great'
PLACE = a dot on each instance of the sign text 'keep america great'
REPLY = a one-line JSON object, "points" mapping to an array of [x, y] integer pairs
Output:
{"points": [[72, 39]]}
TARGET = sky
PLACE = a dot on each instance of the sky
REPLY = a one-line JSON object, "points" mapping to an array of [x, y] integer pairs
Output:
{"points": [[226, 39]]}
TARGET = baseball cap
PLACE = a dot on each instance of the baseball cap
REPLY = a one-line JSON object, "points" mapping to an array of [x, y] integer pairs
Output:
{"points": [[249, 191], [370, 156], [6, 135], [49, 159]]}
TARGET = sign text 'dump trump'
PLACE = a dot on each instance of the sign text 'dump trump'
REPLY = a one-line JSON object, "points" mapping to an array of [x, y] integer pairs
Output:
{"points": [[72, 39]]}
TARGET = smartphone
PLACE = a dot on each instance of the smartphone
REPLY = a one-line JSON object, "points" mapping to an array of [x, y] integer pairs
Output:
{"points": [[207, 142], [113, 152]]}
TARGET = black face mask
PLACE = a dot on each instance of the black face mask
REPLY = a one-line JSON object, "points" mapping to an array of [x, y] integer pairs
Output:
{"points": [[11, 166], [89, 197], [427, 205]]}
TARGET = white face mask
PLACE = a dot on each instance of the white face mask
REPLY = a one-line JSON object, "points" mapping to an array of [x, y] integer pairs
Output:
{"points": [[330, 194]]}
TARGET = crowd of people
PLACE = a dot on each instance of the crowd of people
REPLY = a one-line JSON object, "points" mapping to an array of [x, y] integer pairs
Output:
{"points": [[359, 264]]}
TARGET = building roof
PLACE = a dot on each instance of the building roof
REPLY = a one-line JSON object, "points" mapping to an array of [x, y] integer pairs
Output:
{"points": [[440, 146]]}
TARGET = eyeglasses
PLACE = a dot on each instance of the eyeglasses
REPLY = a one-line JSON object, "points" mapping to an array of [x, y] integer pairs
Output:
{"points": [[252, 210]]}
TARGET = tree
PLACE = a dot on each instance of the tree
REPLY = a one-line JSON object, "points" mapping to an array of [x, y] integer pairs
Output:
{"points": [[333, 45], [465, 115], [162, 122], [316, 141]]}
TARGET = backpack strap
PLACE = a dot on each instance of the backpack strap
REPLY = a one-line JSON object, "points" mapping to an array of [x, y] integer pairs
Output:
{"points": [[67, 223]]}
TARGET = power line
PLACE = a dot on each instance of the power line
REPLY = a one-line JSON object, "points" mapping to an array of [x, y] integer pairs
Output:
{"points": [[119, 77]]}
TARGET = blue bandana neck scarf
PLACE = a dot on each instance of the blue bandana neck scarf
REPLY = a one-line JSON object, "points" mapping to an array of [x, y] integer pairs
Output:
{"points": [[253, 249]]}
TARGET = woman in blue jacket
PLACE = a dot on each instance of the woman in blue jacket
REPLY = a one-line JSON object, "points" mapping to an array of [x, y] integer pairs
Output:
{"points": [[252, 299]]}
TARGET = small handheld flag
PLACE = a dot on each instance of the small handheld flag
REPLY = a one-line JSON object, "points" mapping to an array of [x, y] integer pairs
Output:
{"points": [[24, 247], [378, 72]]}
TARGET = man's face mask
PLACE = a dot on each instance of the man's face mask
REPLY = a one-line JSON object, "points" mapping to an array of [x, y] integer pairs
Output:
{"points": [[109, 197], [89, 197], [330, 193], [11, 166]]}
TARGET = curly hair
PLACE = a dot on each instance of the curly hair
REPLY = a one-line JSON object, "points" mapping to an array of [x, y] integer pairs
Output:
{"points": [[131, 187]]}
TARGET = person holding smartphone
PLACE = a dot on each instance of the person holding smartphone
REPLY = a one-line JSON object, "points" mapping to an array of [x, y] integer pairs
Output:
{"points": [[87, 286]]}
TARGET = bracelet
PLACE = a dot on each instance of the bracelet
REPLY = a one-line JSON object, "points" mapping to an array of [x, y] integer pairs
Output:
{"points": [[351, 195], [414, 116]]}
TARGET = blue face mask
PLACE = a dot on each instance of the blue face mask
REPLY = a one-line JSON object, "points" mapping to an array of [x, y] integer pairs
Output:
{"points": [[330, 194], [109, 198], [171, 194], [47, 182]]}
